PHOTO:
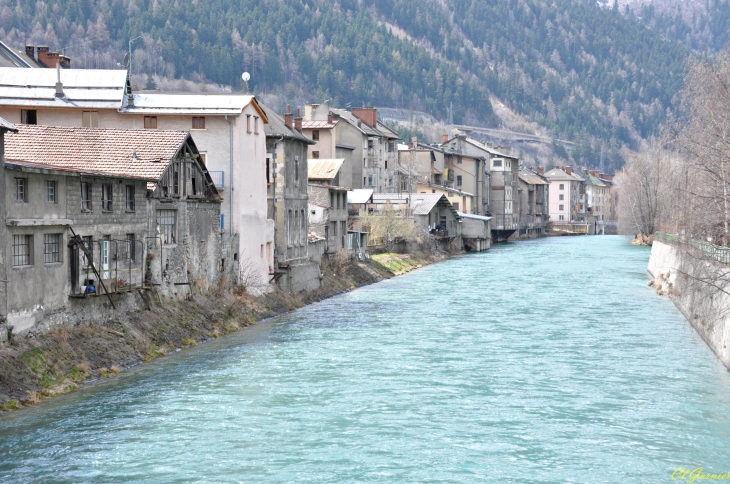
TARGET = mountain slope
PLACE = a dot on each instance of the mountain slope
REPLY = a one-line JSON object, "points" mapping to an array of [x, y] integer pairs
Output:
{"points": [[586, 73]]}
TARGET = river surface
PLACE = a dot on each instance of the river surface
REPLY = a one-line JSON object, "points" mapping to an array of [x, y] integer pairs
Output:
{"points": [[540, 361]]}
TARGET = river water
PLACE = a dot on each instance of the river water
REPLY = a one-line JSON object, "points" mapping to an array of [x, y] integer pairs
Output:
{"points": [[540, 361]]}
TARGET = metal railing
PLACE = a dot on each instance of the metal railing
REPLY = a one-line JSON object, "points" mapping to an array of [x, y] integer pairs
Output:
{"points": [[219, 178], [711, 251]]}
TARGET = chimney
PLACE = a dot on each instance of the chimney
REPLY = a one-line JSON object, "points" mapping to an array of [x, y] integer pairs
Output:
{"points": [[30, 51], [329, 118], [568, 170], [298, 121], [368, 116], [462, 137], [47, 58], [444, 138], [410, 145], [540, 170], [130, 99], [288, 116], [59, 86]]}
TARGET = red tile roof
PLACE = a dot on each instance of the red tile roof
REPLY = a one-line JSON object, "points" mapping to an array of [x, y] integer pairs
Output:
{"points": [[127, 153]]}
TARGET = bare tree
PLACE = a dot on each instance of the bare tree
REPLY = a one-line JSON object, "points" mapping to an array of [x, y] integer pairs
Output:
{"points": [[647, 189], [390, 226]]}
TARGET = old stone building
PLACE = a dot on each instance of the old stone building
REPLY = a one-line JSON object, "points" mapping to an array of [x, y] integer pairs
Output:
{"points": [[94, 214], [286, 180]]}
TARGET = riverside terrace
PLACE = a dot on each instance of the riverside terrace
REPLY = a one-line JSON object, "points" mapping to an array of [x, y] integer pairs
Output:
{"points": [[131, 196]]}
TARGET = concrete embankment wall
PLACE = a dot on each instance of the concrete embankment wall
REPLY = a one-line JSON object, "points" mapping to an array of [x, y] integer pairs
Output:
{"points": [[707, 309]]}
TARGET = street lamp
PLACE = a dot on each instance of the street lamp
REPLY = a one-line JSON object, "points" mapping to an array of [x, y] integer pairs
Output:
{"points": [[130, 54]]}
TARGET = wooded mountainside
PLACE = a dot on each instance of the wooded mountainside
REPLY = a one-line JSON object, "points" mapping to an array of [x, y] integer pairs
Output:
{"points": [[588, 74]]}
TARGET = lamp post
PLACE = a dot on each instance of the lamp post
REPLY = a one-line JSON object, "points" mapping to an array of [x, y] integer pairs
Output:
{"points": [[130, 54]]}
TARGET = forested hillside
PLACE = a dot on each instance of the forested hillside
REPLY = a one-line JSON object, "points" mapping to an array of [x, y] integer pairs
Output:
{"points": [[586, 73]]}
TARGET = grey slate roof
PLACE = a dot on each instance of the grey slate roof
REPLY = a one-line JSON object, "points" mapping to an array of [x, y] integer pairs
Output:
{"points": [[10, 57], [7, 126], [277, 128]]}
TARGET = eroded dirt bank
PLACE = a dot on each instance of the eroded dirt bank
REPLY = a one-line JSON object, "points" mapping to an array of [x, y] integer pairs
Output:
{"points": [[35, 369]]}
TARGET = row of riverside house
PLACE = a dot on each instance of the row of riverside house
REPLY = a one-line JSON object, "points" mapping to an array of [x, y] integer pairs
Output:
{"points": [[110, 192]]}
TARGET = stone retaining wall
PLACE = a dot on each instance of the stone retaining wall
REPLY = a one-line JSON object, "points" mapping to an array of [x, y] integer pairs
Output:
{"points": [[706, 309]]}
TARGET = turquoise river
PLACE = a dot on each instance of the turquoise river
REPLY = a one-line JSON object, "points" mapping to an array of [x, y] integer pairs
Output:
{"points": [[540, 361]]}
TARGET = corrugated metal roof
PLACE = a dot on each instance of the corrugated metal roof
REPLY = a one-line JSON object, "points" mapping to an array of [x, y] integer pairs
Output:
{"points": [[532, 178], [359, 195], [324, 169], [187, 103], [473, 216], [318, 124], [141, 154], [91, 88]]}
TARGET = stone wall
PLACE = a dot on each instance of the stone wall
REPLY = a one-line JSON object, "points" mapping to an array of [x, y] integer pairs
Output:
{"points": [[707, 310]]}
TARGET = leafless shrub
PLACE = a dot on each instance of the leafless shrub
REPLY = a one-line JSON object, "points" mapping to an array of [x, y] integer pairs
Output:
{"points": [[249, 275], [339, 262]]}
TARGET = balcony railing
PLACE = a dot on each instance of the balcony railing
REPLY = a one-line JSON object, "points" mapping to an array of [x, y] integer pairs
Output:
{"points": [[218, 177]]}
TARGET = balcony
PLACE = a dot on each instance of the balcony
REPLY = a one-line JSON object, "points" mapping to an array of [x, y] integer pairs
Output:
{"points": [[219, 178]]}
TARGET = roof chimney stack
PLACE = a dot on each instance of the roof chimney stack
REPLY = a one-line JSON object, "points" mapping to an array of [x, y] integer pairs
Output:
{"points": [[444, 138], [298, 121], [59, 86], [288, 117], [368, 116], [568, 170], [329, 118], [540, 170]]}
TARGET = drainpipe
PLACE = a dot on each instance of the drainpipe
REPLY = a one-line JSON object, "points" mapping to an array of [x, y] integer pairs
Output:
{"points": [[230, 170]]}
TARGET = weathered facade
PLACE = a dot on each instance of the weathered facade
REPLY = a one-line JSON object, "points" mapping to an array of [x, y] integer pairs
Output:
{"points": [[566, 195], [286, 180], [94, 214], [533, 190], [228, 130]]}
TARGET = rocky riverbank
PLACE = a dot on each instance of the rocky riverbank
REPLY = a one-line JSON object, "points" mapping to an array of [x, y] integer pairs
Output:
{"points": [[34, 369]]}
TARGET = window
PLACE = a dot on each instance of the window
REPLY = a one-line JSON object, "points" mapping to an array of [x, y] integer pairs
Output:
{"points": [[561, 217], [458, 180], [203, 158], [22, 245], [51, 252], [28, 116], [176, 181], [343, 231], [561, 207], [456, 206], [90, 119], [315, 154], [315, 134], [198, 122], [496, 163], [166, 226], [333, 229], [51, 191], [459, 160], [106, 197], [248, 123], [561, 197], [150, 122], [288, 228], [21, 189], [256, 131], [130, 246], [86, 196], [337, 196], [129, 197], [296, 168], [223, 222], [302, 234], [562, 186]]}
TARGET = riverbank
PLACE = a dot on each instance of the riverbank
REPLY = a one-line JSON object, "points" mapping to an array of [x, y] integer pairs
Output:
{"points": [[705, 306], [35, 369]]}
